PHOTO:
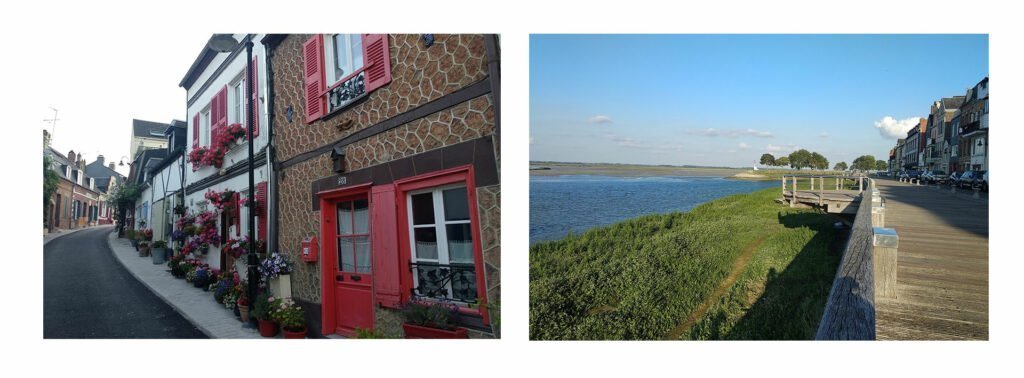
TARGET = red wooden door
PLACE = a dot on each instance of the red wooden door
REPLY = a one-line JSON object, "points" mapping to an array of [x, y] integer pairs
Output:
{"points": [[353, 281]]}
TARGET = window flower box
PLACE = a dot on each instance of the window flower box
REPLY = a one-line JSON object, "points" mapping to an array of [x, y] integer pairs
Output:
{"points": [[413, 331]]}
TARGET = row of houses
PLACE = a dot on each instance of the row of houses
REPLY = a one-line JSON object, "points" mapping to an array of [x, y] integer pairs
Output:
{"points": [[375, 169], [952, 139], [80, 199]]}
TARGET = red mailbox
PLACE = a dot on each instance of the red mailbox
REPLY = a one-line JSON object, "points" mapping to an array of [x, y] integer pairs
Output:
{"points": [[309, 249]]}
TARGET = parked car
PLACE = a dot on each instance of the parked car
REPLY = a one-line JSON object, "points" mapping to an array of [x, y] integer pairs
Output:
{"points": [[978, 179], [936, 176], [967, 179], [911, 174], [954, 178]]}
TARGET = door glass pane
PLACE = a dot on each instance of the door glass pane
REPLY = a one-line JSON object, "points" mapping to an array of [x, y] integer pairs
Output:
{"points": [[362, 218], [423, 208], [346, 257], [456, 204], [362, 254], [345, 218], [460, 243], [426, 243]]}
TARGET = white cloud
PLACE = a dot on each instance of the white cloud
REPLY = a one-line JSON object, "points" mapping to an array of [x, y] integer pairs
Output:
{"points": [[823, 135], [744, 146], [599, 119], [782, 148], [711, 132], [890, 128]]}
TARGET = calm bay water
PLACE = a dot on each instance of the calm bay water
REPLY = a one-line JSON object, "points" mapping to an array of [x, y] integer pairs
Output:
{"points": [[559, 204]]}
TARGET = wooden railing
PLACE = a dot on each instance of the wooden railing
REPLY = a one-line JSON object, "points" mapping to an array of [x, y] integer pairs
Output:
{"points": [[839, 181], [867, 270]]}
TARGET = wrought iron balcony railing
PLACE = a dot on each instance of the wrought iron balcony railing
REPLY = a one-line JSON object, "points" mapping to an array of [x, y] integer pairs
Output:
{"points": [[450, 281]]}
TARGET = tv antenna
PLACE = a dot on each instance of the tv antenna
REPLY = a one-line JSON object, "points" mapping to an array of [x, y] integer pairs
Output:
{"points": [[53, 124]]}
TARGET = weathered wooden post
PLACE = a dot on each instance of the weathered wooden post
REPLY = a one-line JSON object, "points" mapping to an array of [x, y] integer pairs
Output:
{"points": [[812, 183], [885, 242], [877, 209], [783, 185], [837, 182], [792, 198], [821, 190], [860, 184]]}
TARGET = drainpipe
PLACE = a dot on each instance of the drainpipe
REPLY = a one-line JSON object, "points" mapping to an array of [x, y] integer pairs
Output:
{"points": [[272, 240]]}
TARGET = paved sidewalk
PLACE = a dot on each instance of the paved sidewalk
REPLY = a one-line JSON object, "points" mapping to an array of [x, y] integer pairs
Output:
{"points": [[194, 304]]}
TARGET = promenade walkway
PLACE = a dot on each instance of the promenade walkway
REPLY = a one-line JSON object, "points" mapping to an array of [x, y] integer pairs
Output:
{"points": [[942, 274]]}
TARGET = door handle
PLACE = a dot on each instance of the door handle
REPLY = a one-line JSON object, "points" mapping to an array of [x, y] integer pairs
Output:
{"points": [[340, 277], [356, 278]]}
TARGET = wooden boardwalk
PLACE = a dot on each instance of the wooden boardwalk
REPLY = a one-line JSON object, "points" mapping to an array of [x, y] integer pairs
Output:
{"points": [[942, 271]]}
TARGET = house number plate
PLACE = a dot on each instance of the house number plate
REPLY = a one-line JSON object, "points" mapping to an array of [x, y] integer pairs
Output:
{"points": [[342, 180]]}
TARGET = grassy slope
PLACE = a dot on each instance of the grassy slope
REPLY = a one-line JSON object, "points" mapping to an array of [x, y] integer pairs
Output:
{"points": [[640, 278]]}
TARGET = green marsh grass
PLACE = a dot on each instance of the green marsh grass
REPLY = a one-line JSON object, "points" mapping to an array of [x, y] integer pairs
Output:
{"points": [[641, 278]]}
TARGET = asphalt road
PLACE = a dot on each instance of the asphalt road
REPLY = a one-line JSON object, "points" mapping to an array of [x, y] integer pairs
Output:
{"points": [[88, 294]]}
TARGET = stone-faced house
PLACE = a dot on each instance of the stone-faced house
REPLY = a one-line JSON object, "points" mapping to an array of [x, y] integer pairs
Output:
{"points": [[387, 161], [77, 202]]}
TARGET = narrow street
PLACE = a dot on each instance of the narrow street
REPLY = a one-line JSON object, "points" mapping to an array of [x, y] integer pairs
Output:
{"points": [[88, 294]]}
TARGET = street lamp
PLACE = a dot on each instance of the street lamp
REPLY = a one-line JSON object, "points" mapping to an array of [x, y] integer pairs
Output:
{"points": [[222, 43]]}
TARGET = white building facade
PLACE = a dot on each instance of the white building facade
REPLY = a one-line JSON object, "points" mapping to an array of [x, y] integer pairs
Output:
{"points": [[216, 160]]}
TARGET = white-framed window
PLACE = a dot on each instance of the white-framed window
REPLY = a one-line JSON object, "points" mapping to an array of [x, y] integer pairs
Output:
{"points": [[236, 103], [442, 243], [343, 55], [204, 126]]}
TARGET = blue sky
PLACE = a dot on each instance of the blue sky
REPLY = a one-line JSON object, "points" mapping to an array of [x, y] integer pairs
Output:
{"points": [[724, 100]]}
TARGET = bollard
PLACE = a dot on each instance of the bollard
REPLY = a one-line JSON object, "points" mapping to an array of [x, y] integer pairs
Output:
{"points": [[878, 214], [885, 243]]}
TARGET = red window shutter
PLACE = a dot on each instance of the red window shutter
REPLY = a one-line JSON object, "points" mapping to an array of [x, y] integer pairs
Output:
{"points": [[378, 60], [222, 120], [384, 242], [261, 211], [235, 213], [254, 97], [195, 129], [214, 116], [313, 61]]}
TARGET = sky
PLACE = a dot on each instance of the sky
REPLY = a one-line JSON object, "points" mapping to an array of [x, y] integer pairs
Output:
{"points": [[723, 100], [100, 83]]}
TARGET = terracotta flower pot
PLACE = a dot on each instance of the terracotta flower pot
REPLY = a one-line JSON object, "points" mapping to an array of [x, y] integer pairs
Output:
{"points": [[243, 313], [268, 328], [413, 331], [289, 334]]}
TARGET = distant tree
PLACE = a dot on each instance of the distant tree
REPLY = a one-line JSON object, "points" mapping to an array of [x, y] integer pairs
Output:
{"points": [[840, 166], [881, 165], [818, 161], [800, 159], [782, 161], [768, 159], [864, 163]]}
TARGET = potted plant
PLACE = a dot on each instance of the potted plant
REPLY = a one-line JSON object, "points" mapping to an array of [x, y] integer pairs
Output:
{"points": [[144, 236], [132, 239], [159, 252], [291, 318], [432, 320], [201, 278], [275, 271], [261, 310], [242, 304]]}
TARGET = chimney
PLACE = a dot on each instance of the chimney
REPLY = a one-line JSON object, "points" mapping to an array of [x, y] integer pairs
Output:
{"points": [[100, 159], [71, 157], [46, 139], [111, 165]]}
